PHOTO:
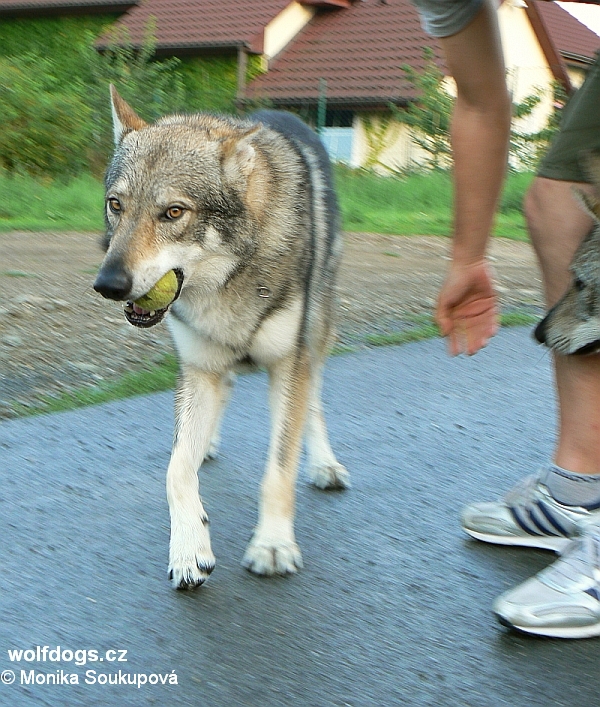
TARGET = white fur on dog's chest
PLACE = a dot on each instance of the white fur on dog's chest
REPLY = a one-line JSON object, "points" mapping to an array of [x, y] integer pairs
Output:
{"points": [[213, 341], [277, 335]]}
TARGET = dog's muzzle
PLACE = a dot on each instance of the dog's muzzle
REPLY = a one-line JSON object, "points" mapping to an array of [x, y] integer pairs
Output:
{"points": [[144, 319]]}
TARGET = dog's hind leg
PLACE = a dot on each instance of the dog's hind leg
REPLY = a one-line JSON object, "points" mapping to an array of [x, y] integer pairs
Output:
{"points": [[273, 548], [324, 470], [198, 404]]}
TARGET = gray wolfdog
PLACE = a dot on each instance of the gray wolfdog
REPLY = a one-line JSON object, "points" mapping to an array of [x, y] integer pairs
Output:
{"points": [[245, 214], [572, 326]]}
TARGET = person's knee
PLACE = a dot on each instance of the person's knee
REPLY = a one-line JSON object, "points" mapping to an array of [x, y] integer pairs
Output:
{"points": [[536, 207], [553, 213], [556, 223]]}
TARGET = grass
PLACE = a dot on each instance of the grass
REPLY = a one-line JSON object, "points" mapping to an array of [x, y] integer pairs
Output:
{"points": [[428, 329], [17, 273], [153, 378], [417, 204], [161, 376], [28, 204], [420, 204]]}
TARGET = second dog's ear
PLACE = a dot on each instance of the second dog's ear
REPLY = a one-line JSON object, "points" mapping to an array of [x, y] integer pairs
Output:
{"points": [[590, 203], [125, 119]]}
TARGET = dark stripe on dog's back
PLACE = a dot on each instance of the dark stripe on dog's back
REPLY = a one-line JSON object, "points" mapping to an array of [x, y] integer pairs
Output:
{"points": [[314, 158], [298, 133]]}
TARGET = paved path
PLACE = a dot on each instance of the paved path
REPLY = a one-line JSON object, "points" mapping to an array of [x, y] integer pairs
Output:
{"points": [[393, 606]]}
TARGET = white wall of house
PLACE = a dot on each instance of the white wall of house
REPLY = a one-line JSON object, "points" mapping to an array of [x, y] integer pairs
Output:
{"points": [[283, 28], [526, 65], [577, 75], [527, 73], [383, 146]]}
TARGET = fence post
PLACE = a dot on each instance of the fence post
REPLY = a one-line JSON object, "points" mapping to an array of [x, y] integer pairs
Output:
{"points": [[321, 105]]}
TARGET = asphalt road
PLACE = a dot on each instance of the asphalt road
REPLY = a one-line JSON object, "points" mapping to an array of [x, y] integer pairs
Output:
{"points": [[393, 606]]}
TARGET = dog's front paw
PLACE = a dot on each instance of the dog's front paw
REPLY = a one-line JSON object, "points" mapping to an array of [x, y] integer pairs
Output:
{"points": [[330, 476], [190, 559], [191, 575], [269, 558]]}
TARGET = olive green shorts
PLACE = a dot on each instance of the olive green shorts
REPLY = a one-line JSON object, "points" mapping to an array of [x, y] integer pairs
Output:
{"points": [[579, 132]]}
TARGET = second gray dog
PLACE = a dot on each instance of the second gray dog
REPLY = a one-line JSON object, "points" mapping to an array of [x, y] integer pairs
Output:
{"points": [[572, 326]]}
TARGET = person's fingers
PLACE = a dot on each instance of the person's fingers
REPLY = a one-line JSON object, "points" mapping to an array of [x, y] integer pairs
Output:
{"points": [[444, 322], [480, 329], [453, 343]]}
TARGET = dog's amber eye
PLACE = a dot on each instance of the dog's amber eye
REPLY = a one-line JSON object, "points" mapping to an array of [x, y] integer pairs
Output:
{"points": [[174, 212], [114, 205]]}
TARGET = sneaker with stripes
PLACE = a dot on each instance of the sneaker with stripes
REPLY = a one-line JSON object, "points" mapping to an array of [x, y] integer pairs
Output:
{"points": [[528, 516], [562, 601]]}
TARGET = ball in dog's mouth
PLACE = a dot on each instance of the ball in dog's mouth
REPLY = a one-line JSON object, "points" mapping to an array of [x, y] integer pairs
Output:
{"points": [[146, 318]]}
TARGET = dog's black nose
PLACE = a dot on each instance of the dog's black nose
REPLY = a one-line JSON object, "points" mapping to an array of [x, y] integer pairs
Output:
{"points": [[113, 283]]}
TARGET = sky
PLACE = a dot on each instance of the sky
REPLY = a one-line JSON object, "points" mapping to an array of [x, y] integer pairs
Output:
{"points": [[589, 15]]}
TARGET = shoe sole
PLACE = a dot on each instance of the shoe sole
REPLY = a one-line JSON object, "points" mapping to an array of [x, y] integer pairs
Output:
{"points": [[575, 632], [537, 541]]}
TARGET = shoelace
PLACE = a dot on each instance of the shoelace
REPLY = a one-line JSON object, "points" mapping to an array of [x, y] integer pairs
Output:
{"points": [[524, 492], [580, 561]]}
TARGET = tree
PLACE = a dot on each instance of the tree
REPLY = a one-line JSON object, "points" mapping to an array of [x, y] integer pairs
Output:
{"points": [[526, 149], [430, 115], [54, 127], [152, 87]]}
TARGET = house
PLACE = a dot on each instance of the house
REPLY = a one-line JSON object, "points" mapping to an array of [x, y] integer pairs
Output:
{"points": [[345, 57], [339, 63], [575, 44]]}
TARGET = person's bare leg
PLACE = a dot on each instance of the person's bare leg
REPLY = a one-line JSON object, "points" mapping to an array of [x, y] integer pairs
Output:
{"points": [[557, 224]]}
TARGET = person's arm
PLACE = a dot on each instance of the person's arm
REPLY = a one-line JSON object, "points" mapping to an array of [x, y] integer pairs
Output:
{"points": [[467, 311]]}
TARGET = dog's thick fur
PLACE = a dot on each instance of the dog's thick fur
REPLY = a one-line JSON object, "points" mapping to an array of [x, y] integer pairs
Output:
{"points": [[572, 326], [246, 213]]}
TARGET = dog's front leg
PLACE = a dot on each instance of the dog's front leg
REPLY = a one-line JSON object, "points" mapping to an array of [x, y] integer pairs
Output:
{"points": [[197, 408], [273, 548]]}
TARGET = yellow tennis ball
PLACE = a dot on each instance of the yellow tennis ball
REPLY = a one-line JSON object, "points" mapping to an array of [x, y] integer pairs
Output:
{"points": [[161, 295]]}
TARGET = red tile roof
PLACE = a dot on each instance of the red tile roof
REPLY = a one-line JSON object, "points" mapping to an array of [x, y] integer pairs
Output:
{"points": [[189, 24], [11, 7], [571, 38], [360, 52]]}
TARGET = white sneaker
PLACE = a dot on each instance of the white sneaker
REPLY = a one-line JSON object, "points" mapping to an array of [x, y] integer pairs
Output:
{"points": [[528, 516], [562, 601]]}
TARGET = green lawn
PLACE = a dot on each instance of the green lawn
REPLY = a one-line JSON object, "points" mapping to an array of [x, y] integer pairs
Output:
{"points": [[416, 205], [28, 204], [420, 204]]}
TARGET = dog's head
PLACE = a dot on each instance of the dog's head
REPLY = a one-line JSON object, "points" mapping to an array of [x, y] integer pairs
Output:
{"points": [[572, 326], [181, 194]]}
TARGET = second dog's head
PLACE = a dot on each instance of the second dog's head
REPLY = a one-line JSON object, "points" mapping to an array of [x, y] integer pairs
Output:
{"points": [[572, 326]]}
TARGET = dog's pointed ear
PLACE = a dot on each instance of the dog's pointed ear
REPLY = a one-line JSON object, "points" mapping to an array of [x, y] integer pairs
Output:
{"points": [[239, 154], [590, 203], [125, 119]]}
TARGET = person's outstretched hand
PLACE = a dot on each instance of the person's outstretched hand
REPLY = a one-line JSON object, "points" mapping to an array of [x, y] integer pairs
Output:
{"points": [[467, 311]]}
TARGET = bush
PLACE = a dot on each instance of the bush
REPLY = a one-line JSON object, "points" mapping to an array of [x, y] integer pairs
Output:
{"points": [[54, 99], [45, 128]]}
